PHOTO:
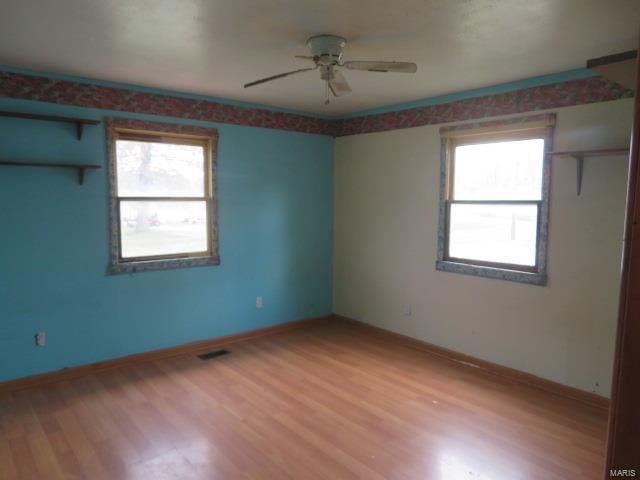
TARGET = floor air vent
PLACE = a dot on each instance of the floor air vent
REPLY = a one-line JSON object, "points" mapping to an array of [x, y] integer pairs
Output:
{"points": [[214, 354]]}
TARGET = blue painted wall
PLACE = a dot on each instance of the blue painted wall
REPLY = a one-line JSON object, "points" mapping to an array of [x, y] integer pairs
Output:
{"points": [[275, 211]]}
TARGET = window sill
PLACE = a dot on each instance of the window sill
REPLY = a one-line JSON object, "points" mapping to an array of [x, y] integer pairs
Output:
{"points": [[490, 272], [166, 264]]}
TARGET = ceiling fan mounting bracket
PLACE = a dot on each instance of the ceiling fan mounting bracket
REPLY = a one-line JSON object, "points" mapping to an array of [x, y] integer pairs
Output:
{"points": [[326, 49]]}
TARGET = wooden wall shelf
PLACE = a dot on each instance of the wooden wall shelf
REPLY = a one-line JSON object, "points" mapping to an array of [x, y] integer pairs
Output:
{"points": [[78, 122], [579, 157], [80, 167]]}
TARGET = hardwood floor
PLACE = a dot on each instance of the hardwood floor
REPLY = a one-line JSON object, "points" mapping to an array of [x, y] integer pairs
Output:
{"points": [[332, 401]]}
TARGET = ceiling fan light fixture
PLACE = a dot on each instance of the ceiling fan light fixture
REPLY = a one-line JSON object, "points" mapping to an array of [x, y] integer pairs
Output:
{"points": [[327, 53]]}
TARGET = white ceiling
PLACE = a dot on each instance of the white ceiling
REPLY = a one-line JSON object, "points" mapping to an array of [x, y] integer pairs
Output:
{"points": [[213, 47]]}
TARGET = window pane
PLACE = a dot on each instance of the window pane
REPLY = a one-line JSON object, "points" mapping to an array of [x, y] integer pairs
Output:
{"points": [[147, 169], [494, 233], [499, 171], [162, 228]]}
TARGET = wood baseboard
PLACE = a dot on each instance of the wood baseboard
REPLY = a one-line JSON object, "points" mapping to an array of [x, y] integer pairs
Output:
{"points": [[192, 347], [468, 361], [461, 359]]}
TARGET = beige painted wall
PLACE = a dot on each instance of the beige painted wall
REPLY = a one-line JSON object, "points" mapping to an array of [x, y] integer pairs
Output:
{"points": [[386, 220]]}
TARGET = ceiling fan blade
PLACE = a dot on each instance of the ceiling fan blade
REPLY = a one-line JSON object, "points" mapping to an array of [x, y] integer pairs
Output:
{"points": [[275, 77], [338, 84], [304, 57], [372, 66]]}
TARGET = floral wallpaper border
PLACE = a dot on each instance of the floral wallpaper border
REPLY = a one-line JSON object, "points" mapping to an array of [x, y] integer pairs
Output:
{"points": [[545, 97], [66, 92]]}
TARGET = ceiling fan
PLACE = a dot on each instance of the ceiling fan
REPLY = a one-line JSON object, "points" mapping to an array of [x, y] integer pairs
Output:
{"points": [[326, 54]]}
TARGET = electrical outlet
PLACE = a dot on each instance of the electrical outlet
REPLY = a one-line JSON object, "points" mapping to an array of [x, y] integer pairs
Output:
{"points": [[406, 309], [41, 339], [258, 302]]}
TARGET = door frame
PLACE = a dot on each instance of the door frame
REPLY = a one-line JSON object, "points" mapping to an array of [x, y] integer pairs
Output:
{"points": [[623, 444]]}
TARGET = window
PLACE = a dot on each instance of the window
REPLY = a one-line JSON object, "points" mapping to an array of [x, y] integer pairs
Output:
{"points": [[494, 199], [162, 195]]}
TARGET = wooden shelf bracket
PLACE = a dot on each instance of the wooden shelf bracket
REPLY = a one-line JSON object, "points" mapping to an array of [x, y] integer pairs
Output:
{"points": [[579, 170]]}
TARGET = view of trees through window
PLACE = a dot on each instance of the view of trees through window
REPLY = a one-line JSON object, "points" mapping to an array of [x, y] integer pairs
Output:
{"points": [[162, 198]]}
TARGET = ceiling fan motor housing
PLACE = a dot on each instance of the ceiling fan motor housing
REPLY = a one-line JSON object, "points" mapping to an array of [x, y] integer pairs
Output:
{"points": [[326, 49]]}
